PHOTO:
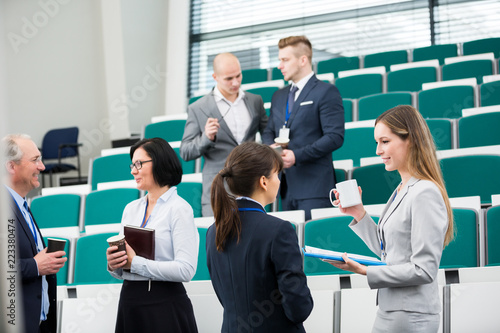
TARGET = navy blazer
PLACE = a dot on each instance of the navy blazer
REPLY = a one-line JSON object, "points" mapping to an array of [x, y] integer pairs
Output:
{"points": [[316, 129], [31, 282], [260, 280]]}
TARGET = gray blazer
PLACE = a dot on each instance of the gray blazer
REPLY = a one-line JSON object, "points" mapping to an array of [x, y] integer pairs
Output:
{"points": [[195, 143], [412, 228]]}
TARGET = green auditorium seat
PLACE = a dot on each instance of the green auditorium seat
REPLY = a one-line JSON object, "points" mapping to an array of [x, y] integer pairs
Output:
{"points": [[356, 145], [357, 86], [254, 75], [479, 130], [370, 107], [187, 166], [62, 275], [191, 192], [410, 79], [490, 93], [106, 206], [170, 130], [90, 260], [377, 183], [348, 109], [331, 234], [482, 46], [463, 251], [493, 235], [110, 168], [472, 175], [57, 210], [439, 52], [340, 175], [195, 98], [202, 268], [441, 130], [445, 102], [276, 74], [335, 65], [265, 92], [386, 59], [467, 69]]}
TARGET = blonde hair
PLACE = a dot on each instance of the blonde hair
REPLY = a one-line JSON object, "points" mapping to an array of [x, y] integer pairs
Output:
{"points": [[302, 46], [422, 163]]}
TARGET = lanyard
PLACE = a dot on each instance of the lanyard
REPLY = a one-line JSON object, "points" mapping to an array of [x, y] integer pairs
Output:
{"points": [[33, 227], [252, 209], [287, 114], [144, 221]]}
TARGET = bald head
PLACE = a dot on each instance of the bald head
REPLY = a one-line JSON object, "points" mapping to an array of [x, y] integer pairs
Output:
{"points": [[227, 74]]}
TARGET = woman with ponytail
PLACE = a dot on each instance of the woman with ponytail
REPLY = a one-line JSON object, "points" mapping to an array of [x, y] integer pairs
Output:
{"points": [[413, 229], [253, 258]]}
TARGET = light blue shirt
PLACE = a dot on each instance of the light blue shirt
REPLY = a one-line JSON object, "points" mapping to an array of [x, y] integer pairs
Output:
{"points": [[27, 217]]}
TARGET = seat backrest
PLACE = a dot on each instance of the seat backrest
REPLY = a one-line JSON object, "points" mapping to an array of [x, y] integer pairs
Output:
{"points": [[357, 86], [377, 183], [106, 206], [187, 166], [493, 235], [490, 93], [467, 69], [191, 192], [53, 138], [336, 65], [439, 52], [386, 59], [472, 175], [370, 107], [356, 145], [463, 251], [195, 98], [441, 130], [57, 210], [479, 130], [445, 102], [276, 74], [254, 75], [265, 92], [62, 275], [90, 259], [410, 79], [202, 268], [110, 168], [348, 109], [333, 234], [482, 46], [169, 130]]}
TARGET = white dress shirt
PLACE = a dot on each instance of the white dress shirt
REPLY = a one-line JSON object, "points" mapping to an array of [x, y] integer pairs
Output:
{"points": [[301, 84], [235, 114], [176, 240]]}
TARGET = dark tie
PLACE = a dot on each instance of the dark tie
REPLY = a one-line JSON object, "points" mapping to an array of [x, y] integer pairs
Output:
{"points": [[291, 98]]}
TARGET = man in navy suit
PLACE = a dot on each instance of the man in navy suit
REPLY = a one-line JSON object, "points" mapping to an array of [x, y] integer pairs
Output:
{"points": [[36, 266], [310, 115]]}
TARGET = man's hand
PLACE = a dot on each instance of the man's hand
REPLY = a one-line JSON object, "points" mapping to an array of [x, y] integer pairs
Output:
{"points": [[288, 158], [50, 263], [211, 128]]}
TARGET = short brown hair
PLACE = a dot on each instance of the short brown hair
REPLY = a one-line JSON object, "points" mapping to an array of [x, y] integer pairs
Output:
{"points": [[301, 44]]}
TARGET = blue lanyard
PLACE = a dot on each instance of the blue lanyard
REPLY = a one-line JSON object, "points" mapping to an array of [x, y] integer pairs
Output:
{"points": [[33, 227], [287, 114], [144, 221], [252, 209]]}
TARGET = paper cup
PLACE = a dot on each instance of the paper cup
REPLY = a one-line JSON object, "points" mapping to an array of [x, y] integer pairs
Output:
{"points": [[118, 240], [55, 245]]}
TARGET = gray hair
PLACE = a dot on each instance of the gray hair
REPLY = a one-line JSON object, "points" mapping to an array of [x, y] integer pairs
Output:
{"points": [[11, 149]]}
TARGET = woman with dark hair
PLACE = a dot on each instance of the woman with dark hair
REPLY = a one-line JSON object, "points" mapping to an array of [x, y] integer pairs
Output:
{"points": [[415, 226], [253, 258], [153, 297]]}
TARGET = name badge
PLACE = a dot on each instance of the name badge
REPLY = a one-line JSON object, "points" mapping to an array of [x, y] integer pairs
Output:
{"points": [[284, 133]]}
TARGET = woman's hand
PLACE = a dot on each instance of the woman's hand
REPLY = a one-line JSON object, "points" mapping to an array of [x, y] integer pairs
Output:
{"points": [[357, 212], [348, 265], [116, 259], [130, 256]]}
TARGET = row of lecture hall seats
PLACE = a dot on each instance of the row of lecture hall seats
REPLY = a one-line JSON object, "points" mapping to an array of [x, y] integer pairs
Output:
{"points": [[475, 245]]}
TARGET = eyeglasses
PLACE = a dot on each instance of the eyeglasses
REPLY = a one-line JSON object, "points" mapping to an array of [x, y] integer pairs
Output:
{"points": [[138, 164]]}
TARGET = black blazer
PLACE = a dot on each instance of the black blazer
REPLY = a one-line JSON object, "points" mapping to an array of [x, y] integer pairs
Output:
{"points": [[260, 280], [31, 282], [316, 129]]}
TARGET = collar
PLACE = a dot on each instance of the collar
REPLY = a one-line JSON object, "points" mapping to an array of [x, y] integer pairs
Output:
{"points": [[250, 199], [164, 197], [17, 198], [218, 96], [302, 83]]}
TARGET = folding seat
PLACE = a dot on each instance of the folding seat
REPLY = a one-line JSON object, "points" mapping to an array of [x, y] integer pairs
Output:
{"points": [[169, 130], [467, 69], [463, 251], [356, 145], [492, 236], [349, 106], [441, 130], [361, 82], [410, 79], [254, 75], [490, 93], [439, 52], [191, 192], [335, 65], [479, 130], [377, 183], [370, 107], [110, 168], [482, 46], [386, 59]]}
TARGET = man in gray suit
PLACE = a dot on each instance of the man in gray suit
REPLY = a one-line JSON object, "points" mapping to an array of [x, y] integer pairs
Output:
{"points": [[220, 121]]}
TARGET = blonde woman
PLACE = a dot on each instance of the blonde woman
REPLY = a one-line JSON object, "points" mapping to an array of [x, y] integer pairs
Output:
{"points": [[415, 226]]}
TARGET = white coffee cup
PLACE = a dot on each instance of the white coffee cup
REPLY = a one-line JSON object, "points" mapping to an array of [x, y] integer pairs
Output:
{"points": [[348, 193]]}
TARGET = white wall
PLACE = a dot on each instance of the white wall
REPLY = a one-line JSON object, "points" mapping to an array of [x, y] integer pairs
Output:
{"points": [[58, 76]]}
